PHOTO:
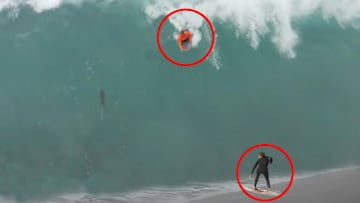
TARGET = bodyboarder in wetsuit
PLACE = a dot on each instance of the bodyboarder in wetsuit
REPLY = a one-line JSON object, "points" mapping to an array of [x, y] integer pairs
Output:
{"points": [[184, 40], [262, 168]]}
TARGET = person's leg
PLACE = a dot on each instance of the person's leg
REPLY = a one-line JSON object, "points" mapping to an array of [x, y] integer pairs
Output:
{"points": [[266, 174], [256, 180]]}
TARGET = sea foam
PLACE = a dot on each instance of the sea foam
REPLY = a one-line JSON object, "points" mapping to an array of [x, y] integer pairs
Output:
{"points": [[256, 18], [252, 19]]}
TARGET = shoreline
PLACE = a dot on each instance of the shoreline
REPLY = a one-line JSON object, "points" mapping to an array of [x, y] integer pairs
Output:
{"points": [[316, 187], [333, 187]]}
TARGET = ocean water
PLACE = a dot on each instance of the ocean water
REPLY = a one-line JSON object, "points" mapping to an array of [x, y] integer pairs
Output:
{"points": [[282, 71]]}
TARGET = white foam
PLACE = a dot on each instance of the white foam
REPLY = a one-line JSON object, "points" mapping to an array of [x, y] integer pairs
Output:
{"points": [[183, 194], [252, 19], [256, 18], [37, 5]]}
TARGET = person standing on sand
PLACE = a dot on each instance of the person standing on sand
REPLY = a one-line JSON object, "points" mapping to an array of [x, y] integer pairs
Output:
{"points": [[262, 168]]}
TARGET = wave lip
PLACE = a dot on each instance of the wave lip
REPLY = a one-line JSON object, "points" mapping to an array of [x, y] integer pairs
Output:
{"points": [[255, 19], [252, 20], [37, 5]]}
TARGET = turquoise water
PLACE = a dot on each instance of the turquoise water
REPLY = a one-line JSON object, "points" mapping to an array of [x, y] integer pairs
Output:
{"points": [[164, 125]]}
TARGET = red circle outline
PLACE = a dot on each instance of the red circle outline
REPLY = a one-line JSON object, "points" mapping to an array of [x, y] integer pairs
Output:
{"points": [[291, 177], [212, 37]]}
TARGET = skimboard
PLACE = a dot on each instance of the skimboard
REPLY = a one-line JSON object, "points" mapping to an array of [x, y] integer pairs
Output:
{"points": [[261, 191]]}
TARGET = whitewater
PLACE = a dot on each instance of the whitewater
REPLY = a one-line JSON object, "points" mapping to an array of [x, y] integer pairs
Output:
{"points": [[251, 19], [184, 194]]}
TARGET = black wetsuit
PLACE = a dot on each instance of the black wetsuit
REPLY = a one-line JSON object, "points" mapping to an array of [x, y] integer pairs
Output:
{"points": [[262, 168]]}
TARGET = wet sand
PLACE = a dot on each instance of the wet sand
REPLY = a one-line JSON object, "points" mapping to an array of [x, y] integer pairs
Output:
{"points": [[336, 187]]}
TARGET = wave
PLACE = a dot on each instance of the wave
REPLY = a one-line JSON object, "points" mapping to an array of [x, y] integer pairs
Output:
{"points": [[252, 20], [36, 5], [255, 19]]}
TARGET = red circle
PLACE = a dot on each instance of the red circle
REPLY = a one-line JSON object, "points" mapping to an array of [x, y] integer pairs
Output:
{"points": [[291, 178], [212, 37]]}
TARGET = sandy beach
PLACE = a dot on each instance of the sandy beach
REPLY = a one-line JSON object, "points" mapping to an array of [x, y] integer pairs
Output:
{"points": [[336, 187]]}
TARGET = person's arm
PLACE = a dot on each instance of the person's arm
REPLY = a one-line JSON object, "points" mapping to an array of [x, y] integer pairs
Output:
{"points": [[270, 159], [254, 167]]}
